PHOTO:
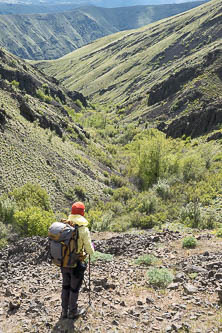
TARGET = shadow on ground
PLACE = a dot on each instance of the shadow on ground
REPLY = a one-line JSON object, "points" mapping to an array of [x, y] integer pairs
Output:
{"points": [[65, 326]]}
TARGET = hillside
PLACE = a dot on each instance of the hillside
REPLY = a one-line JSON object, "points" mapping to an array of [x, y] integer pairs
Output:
{"points": [[40, 142], [50, 36], [166, 74]]}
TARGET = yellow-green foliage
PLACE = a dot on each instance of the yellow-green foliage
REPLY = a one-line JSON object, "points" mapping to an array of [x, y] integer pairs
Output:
{"points": [[3, 234], [44, 97], [79, 104], [146, 259], [15, 84], [159, 277], [28, 209], [94, 217], [178, 180], [219, 232], [7, 209], [123, 194], [189, 242], [30, 195], [101, 256], [153, 157], [33, 221]]}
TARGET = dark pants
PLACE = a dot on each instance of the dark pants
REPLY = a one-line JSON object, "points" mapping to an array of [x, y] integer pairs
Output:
{"points": [[72, 279]]}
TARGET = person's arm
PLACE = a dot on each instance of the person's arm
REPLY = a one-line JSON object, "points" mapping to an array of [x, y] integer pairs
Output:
{"points": [[87, 243]]}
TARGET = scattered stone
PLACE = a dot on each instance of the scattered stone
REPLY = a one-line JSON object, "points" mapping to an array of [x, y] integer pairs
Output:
{"points": [[176, 327], [115, 322], [180, 277], [219, 292], [149, 300], [189, 288], [173, 286], [218, 276], [195, 269], [39, 287], [14, 305]]}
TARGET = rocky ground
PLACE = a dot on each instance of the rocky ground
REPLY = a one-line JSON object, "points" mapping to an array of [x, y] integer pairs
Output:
{"points": [[121, 298]]}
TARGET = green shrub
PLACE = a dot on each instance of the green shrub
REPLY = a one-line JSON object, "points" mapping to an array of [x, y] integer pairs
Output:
{"points": [[117, 181], [30, 195], [116, 207], [43, 97], [94, 217], [33, 221], [159, 277], [150, 164], [219, 232], [103, 222], [70, 194], [189, 242], [79, 104], [152, 157], [146, 260], [80, 191], [120, 224], [148, 204], [7, 209], [191, 214], [122, 194], [192, 167], [142, 221], [162, 188], [3, 243], [145, 222], [4, 232], [101, 256], [15, 84]]}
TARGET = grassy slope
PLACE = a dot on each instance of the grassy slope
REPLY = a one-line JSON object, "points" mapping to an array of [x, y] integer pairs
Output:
{"points": [[50, 36], [31, 152], [126, 67]]}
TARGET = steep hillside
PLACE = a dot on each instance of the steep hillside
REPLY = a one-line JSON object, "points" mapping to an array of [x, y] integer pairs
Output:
{"points": [[167, 73], [39, 142], [50, 36]]}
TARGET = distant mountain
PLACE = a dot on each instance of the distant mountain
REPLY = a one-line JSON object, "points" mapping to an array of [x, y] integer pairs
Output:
{"points": [[42, 8], [100, 3], [168, 73], [50, 36], [123, 3]]}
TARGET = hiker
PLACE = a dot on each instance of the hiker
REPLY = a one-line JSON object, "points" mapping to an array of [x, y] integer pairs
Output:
{"points": [[72, 277]]}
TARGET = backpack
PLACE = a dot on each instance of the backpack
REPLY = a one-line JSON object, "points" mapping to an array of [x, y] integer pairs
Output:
{"points": [[63, 244]]}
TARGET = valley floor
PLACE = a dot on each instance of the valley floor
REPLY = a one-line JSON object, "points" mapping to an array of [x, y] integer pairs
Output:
{"points": [[122, 300]]}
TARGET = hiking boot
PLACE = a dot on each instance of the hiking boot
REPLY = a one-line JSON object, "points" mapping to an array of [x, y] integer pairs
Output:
{"points": [[64, 313], [76, 313]]}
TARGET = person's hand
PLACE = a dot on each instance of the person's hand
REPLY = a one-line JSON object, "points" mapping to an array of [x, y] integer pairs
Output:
{"points": [[82, 257]]}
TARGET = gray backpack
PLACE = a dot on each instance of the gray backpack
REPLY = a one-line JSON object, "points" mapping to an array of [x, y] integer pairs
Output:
{"points": [[63, 244]]}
